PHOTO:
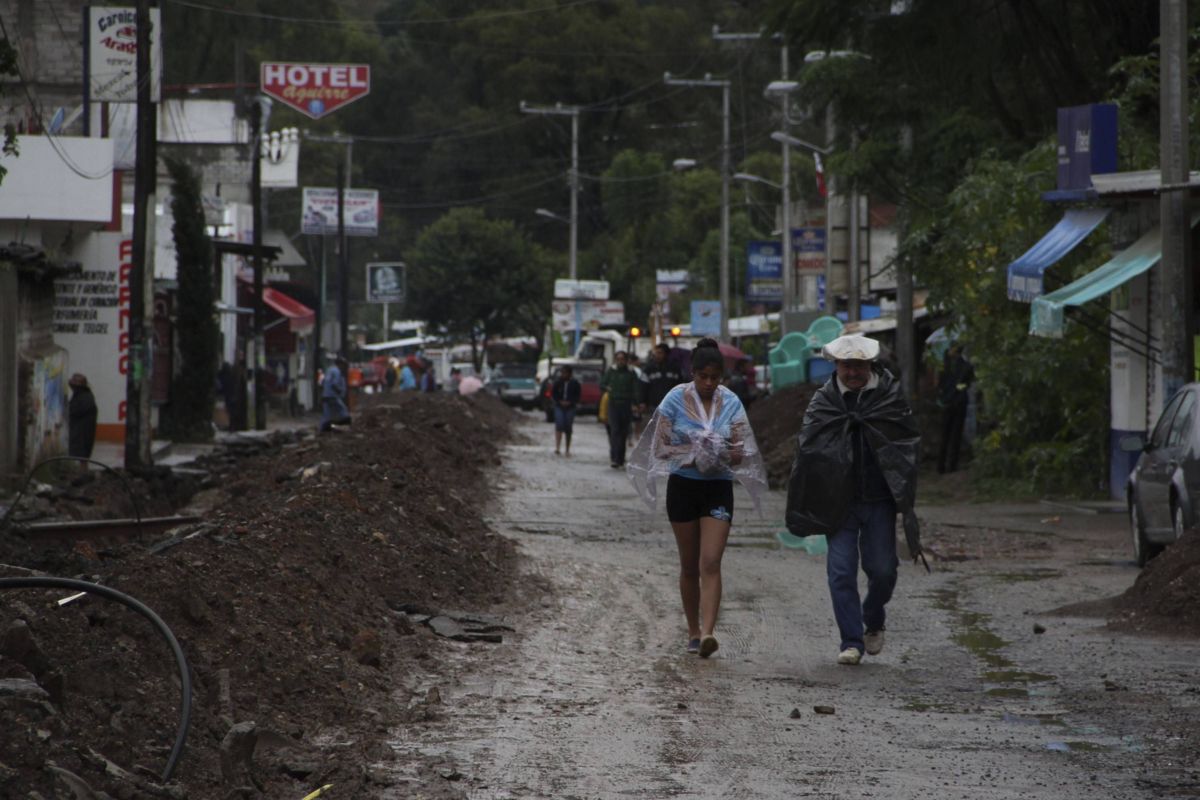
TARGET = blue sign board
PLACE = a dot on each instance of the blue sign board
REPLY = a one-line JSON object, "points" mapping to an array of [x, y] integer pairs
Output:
{"points": [[1087, 144], [706, 318], [764, 273]]}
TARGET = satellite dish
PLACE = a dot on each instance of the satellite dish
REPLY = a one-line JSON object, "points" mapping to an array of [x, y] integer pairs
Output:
{"points": [[56, 122]]}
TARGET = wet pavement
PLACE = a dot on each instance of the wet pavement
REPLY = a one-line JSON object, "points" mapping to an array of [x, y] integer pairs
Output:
{"points": [[978, 694]]}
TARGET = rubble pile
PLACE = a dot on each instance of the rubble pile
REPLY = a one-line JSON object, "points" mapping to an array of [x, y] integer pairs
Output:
{"points": [[1165, 598], [313, 583]]}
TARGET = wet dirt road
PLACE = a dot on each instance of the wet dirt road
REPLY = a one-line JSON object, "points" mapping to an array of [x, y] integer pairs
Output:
{"points": [[594, 697]]}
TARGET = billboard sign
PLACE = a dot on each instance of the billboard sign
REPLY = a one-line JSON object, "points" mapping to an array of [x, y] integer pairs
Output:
{"points": [[592, 314], [111, 54], [1087, 144], [320, 206], [386, 282], [706, 318], [808, 248], [567, 289], [764, 273], [315, 89]]}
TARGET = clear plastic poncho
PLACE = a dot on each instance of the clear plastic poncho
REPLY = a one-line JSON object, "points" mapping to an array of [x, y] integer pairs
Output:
{"points": [[684, 439]]}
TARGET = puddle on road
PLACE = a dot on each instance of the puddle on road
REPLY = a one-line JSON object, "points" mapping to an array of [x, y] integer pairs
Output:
{"points": [[971, 632], [1034, 574]]}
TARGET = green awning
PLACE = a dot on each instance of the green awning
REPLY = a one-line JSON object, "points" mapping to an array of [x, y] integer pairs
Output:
{"points": [[1046, 312]]}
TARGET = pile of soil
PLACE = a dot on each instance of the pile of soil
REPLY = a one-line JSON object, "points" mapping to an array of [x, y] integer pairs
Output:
{"points": [[1165, 598], [288, 600], [775, 420]]}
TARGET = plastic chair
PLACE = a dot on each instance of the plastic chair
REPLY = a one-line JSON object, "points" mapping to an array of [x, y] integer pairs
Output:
{"points": [[824, 330], [788, 360]]}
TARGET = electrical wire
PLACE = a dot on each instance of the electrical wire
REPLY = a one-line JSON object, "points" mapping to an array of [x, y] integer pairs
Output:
{"points": [[400, 23]]}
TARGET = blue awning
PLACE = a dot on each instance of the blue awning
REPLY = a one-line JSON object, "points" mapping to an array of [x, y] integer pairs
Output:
{"points": [[1046, 313], [1025, 274]]}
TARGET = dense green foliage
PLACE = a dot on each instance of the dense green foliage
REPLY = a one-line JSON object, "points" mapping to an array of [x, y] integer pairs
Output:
{"points": [[8, 66], [189, 415]]}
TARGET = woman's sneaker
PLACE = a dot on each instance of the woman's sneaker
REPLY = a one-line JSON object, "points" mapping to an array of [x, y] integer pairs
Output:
{"points": [[693, 646], [874, 642], [708, 646], [850, 656]]}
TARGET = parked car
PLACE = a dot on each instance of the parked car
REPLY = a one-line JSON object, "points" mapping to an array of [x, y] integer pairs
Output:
{"points": [[1164, 486], [589, 391], [515, 383]]}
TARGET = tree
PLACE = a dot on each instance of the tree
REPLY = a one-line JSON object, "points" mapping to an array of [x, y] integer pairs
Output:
{"points": [[193, 391], [8, 66], [479, 278]]}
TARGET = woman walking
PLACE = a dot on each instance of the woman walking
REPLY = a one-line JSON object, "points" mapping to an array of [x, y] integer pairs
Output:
{"points": [[700, 438], [565, 394]]}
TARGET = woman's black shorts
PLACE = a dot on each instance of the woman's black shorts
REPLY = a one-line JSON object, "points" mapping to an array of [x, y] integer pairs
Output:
{"points": [[689, 499]]}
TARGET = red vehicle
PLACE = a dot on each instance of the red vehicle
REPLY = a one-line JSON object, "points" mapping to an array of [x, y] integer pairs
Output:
{"points": [[589, 385]]}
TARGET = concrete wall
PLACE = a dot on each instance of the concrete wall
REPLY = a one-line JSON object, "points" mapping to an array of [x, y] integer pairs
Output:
{"points": [[47, 35], [41, 375]]}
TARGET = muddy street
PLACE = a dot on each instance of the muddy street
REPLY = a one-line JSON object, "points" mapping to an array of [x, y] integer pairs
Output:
{"points": [[979, 692]]}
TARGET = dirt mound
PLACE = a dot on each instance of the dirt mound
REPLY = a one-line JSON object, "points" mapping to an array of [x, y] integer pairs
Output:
{"points": [[1165, 598], [286, 600], [775, 420]]}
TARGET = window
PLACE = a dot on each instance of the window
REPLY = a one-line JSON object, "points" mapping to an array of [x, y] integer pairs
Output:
{"points": [[1181, 426], [1159, 439]]}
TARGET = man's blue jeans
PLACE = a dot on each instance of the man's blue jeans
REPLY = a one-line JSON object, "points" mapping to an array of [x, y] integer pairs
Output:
{"points": [[870, 528]]}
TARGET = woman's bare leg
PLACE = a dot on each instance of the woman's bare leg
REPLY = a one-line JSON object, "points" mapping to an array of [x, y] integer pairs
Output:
{"points": [[714, 533], [687, 538]]}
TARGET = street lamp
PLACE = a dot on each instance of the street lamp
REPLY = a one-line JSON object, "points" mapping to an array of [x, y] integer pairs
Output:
{"points": [[723, 85], [746, 176], [680, 164], [548, 214]]}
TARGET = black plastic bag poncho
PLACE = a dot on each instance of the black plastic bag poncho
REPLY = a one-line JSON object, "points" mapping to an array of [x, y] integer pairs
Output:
{"points": [[821, 486]]}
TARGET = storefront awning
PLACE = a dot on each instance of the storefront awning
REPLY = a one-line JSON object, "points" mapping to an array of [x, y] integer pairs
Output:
{"points": [[299, 316], [1025, 274], [1046, 314]]}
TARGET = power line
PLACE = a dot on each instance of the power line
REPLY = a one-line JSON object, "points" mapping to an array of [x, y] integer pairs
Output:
{"points": [[411, 21]]}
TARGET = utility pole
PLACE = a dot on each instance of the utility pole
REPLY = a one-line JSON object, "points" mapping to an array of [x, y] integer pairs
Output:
{"points": [[906, 347], [258, 399], [1176, 284], [785, 87], [558, 109], [726, 172], [137, 383]]}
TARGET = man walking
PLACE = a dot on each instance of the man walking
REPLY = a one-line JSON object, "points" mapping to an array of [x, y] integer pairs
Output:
{"points": [[621, 383], [855, 467], [953, 385], [333, 396]]}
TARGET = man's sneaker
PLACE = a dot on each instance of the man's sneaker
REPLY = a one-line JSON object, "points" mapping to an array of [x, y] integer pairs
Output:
{"points": [[851, 656], [693, 646], [874, 642], [708, 646]]}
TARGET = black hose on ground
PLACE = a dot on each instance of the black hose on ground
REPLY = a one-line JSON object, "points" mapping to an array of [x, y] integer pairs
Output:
{"points": [[137, 514], [185, 677]]}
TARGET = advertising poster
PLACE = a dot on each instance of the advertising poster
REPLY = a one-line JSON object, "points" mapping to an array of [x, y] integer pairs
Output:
{"points": [[386, 282], [764, 273], [706, 318], [592, 314], [319, 212]]}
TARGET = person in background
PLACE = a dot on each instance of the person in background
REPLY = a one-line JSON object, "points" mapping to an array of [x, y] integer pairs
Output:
{"points": [[637, 416], [700, 440], [621, 384], [954, 398], [659, 376], [565, 394], [428, 381], [333, 396], [455, 378], [389, 375], [408, 375], [81, 415]]}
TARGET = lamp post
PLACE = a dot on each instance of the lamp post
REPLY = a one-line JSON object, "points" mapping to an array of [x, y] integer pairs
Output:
{"points": [[723, 85], [788, 141], [784, 89]]}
